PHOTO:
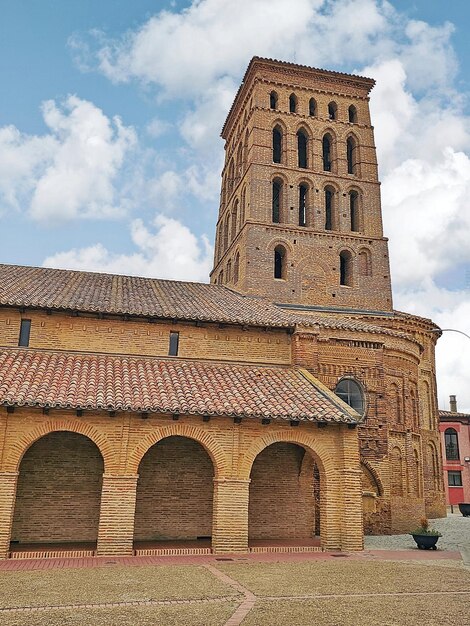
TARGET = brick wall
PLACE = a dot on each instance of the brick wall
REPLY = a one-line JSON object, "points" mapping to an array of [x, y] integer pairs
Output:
{"points": [[174, 491], [59, 490], [281, 494]]}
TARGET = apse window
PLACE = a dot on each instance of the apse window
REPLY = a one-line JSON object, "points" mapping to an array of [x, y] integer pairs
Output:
{"points": [[454, 479], [25, 329], [174, 343], [351, 392]]}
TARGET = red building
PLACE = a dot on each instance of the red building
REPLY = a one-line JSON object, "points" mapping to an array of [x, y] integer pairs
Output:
{"points": [[455, 434]]}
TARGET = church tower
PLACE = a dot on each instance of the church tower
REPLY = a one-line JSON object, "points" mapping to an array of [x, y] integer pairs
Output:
{"points": [[300, 217]]}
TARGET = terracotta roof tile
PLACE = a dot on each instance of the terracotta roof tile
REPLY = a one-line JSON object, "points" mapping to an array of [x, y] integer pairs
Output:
{"points": [[143, 384], [45, 288]]}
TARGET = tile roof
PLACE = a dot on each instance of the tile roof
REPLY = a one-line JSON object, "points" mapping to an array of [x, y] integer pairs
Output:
{"points": [[142, 384], [92, 292], [453, 414]]}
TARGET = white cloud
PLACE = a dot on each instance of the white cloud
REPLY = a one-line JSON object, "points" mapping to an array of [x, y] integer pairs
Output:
{"points": [[167, 249], [70, 172]]}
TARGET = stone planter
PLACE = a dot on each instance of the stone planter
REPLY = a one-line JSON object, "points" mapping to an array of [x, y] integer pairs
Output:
{"points": [[426, 542], [464, 508]]}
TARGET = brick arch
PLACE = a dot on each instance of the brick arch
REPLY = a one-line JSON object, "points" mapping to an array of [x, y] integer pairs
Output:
{"points": [[278, 241], [19, 449], [213, 449], [375, 476], [319, 451]]}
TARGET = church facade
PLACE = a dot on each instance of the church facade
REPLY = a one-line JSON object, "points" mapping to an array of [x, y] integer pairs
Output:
{"points": [[286, 400]]}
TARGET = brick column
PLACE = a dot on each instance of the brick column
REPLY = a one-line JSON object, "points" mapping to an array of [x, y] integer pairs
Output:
{"points": [[230, 515], [352, 526], [116, 528], [8, 482], [330, 511]]}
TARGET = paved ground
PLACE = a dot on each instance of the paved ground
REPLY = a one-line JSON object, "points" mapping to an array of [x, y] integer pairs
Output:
{"points": [[391, 583]]}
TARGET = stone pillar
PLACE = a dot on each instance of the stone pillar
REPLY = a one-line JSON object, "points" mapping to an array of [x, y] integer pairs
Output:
{"points": [[352, 527], [116, 527], [230, 516], [8, 482]]}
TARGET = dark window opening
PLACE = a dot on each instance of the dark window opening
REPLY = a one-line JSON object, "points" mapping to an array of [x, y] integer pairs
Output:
{"points": [[312, 107], [353, 210], [303, 191], [174, 341], [332, 110], [292, 104], [277, 145], [25, 329], [345, 268], [452, 444], [273, 100], [351, 155], [276, 201], [454, 479], [279, 262], [352, 114], [351, 392], [302, 148], [326, 148], [328, 209]]}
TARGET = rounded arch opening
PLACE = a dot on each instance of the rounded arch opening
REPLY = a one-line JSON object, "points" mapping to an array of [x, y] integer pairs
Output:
{"points": [[302, 148], [174, 492], [332, 110], [280, 262], [352, 392], [352, 114], [273, 97], [58, 494], [293, 103], [345, 268]]}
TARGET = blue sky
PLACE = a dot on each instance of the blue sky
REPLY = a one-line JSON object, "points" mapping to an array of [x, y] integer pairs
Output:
{"points": [[110, 114]]}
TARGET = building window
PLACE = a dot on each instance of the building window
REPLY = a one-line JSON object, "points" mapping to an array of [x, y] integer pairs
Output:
{"points": [[332, 111], [303, 192], [351, 392], [279, 262], [276, 201], [302, 142], [452, 444], [25, 329], [329, 208], [345, 268], [273, 100], [365, 264], [236, 268], [354, 210], [277, 144], [352, 114], [326, 150], [292, 103], [351, 153], [454, 479], [174, 340], [312, 107]]}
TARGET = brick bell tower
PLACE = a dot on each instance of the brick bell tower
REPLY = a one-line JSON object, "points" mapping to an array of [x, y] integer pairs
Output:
{"points": [[300, 217]]}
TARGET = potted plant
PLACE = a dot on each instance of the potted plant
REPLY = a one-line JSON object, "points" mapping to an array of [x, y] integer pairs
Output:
{"points": [[464, 508], [425, 537]]}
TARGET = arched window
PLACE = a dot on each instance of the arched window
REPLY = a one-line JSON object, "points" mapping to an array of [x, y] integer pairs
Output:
{"points": [[416, 473], [229, 271], [414, 408], [312, 107], [345, 268], [350, 391], [395, 402], [276, 200], [242, 207], [327, 150], [352, 114], [234, 220], [279, 262], [354, 211], [452, 444], [302, 142], [277, 144], [364, 262], [273, 100], [226, 232], [231, 177], [332, 111], [236, 268], [245, 149], [351, 153], [330, 217], [303, 196], [221, 277], [293, 103]]}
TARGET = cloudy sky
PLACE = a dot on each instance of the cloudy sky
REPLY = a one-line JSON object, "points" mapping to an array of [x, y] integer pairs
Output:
{"points": [[110, 154]]}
